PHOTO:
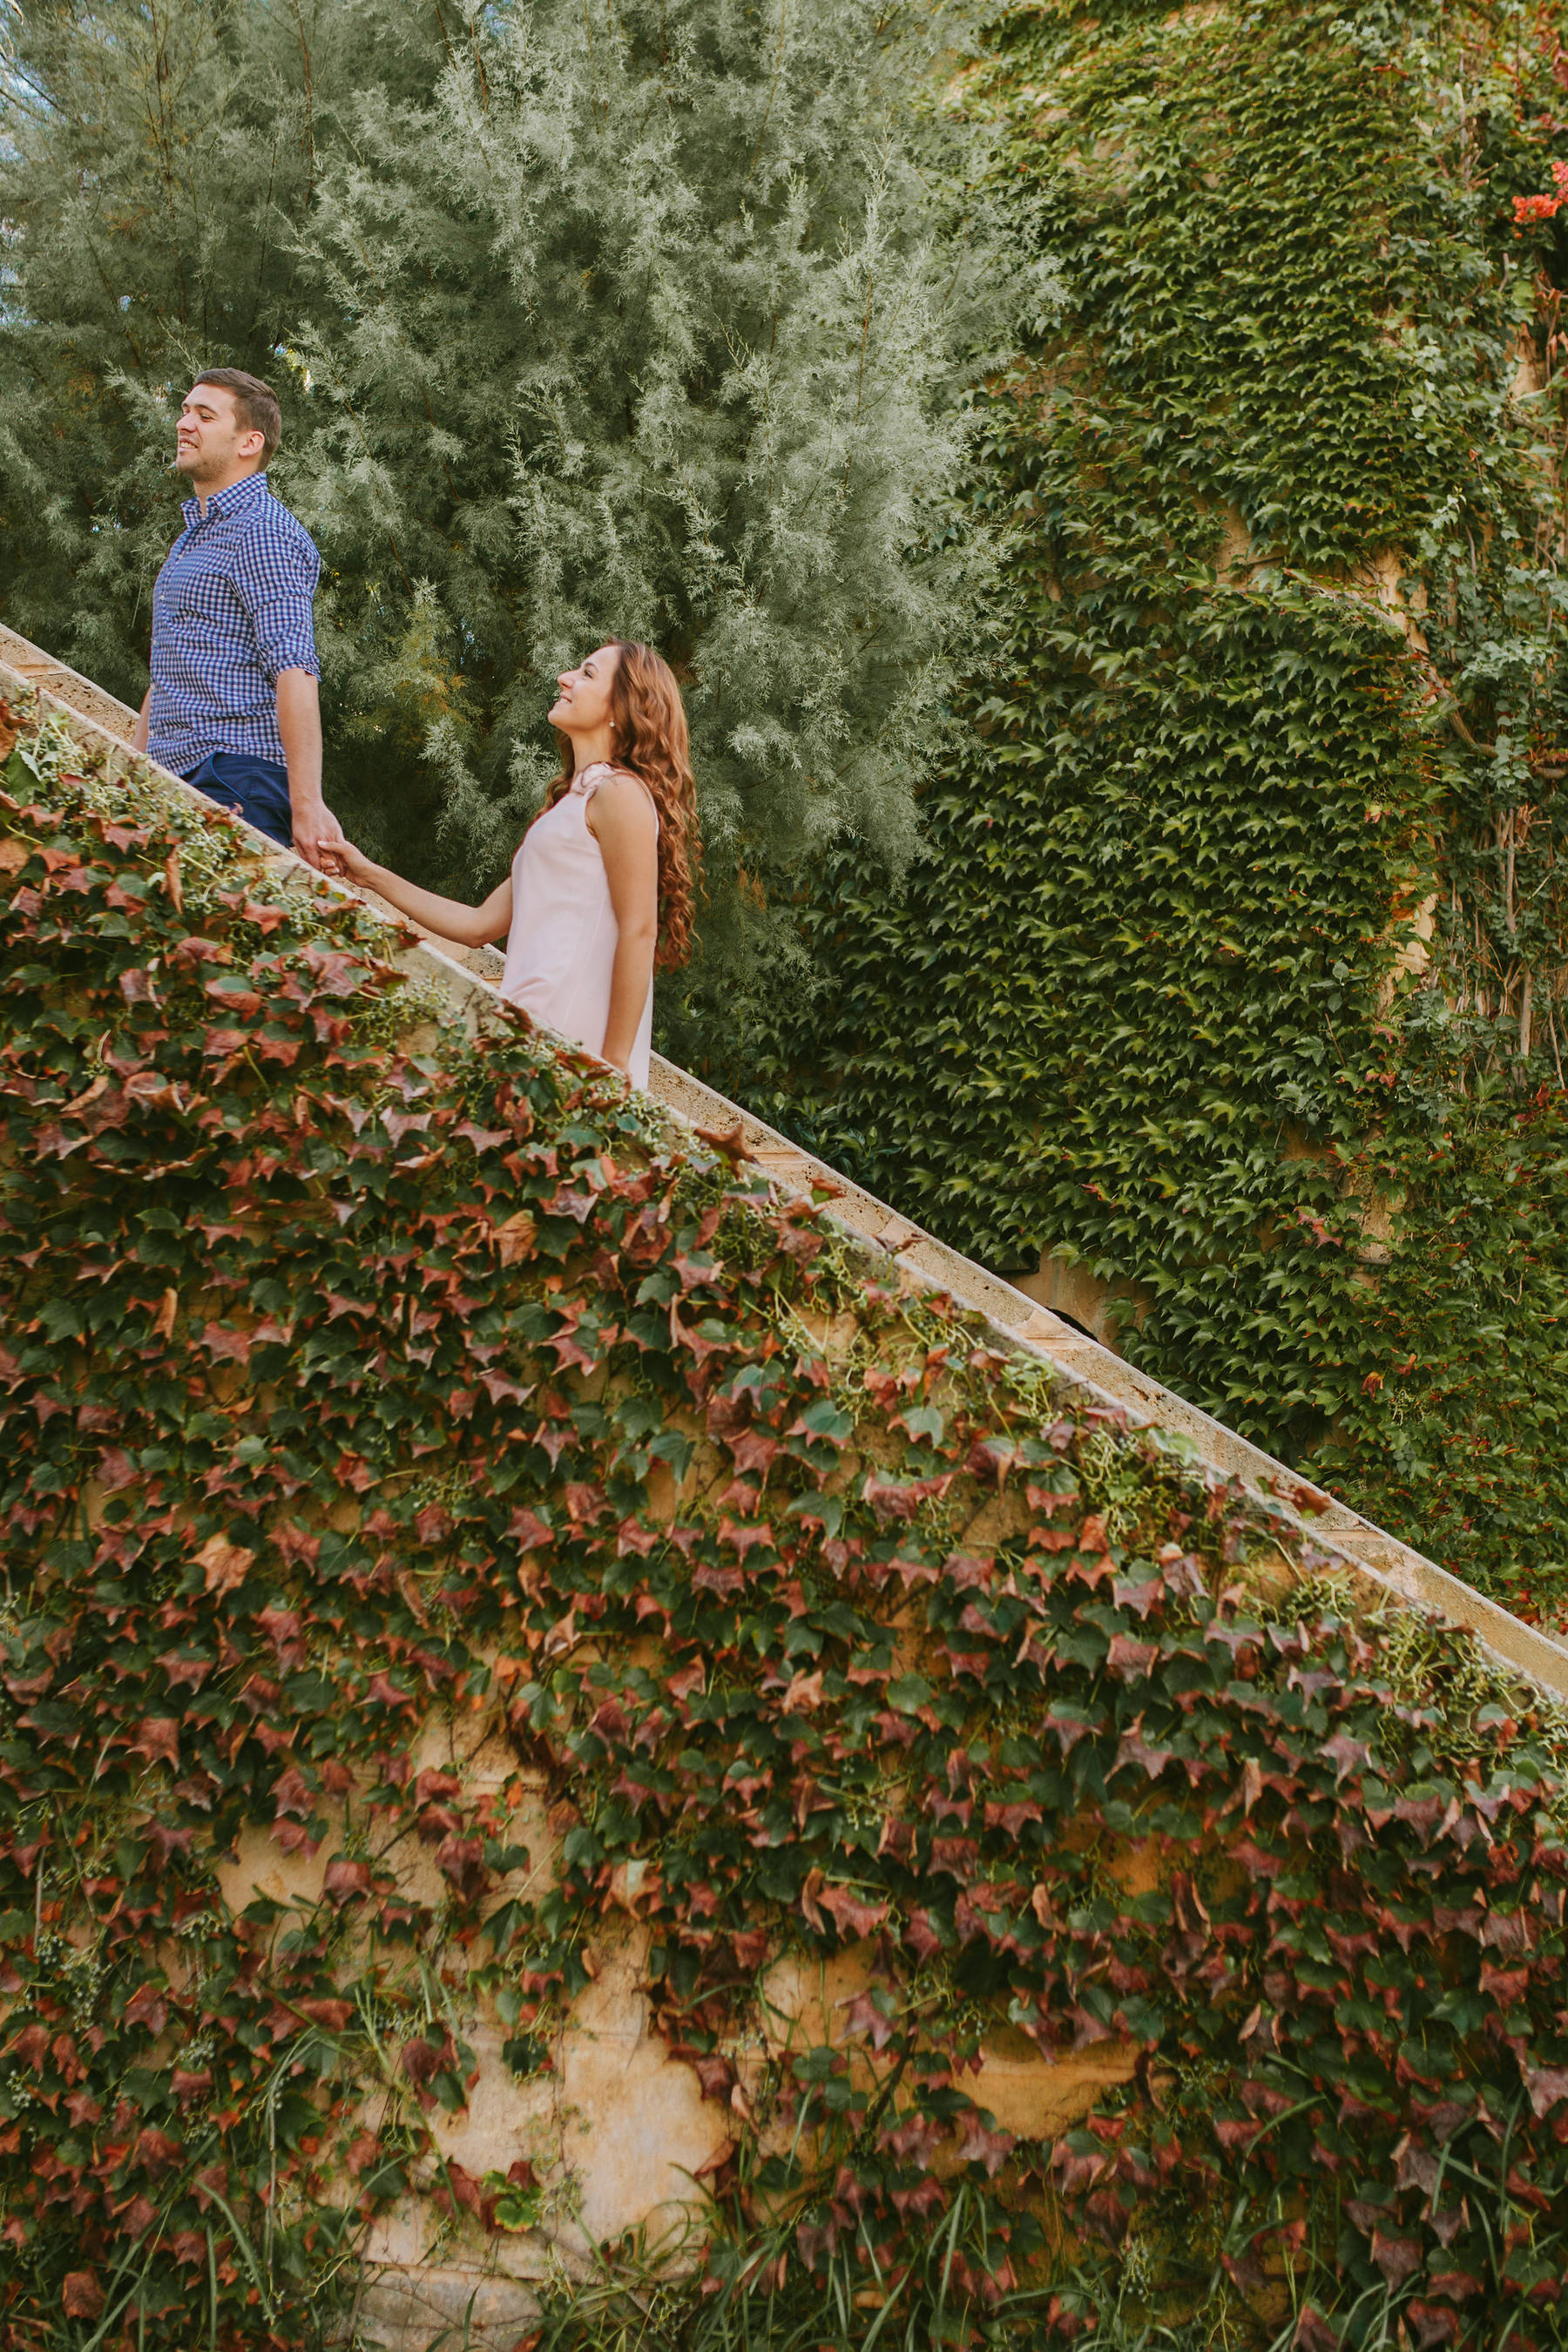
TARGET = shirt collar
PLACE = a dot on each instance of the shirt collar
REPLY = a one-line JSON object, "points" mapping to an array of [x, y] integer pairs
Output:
{"points": [[226, 502]]}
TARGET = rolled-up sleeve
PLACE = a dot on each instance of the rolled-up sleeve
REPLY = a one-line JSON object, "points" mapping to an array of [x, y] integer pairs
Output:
{"points": [[275, 577]]}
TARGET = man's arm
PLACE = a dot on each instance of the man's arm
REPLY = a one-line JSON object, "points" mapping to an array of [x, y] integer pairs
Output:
{"points": [[300, 725], [139, 732], [277, 583]]}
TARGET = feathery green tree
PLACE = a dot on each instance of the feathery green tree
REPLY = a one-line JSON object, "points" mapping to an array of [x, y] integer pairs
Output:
{"points": [[646, 327], [642, 321]]}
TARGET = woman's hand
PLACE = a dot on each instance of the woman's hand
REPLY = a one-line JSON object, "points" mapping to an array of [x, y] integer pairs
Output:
{"points": [[349, 864]]}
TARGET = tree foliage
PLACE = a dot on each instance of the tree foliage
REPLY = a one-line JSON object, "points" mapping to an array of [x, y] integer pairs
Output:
{"points": [[646, 324]]}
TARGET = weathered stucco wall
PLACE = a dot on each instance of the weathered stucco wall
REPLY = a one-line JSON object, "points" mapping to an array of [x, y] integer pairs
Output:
{"points": [[620, 2137]]}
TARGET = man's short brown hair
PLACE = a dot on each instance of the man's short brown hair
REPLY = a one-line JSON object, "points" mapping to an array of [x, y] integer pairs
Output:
{"points": [[254, 405]]}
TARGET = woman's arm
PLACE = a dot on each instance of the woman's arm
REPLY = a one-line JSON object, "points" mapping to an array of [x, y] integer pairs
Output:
{"points": [[622, 821], [471, 926]]}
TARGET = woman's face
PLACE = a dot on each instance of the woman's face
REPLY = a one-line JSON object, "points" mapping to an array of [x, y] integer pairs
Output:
{"points": [[583, 702]]}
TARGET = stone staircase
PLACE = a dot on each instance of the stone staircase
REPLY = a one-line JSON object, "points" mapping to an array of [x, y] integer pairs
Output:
{"points": [[1384, 1568]]}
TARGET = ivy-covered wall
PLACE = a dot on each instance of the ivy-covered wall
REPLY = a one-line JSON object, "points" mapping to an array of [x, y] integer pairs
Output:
{"points": [[1234, 968], [358, 1369]]}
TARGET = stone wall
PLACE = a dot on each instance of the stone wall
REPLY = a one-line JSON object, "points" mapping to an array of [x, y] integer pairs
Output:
{"points": [[621, 2135]]}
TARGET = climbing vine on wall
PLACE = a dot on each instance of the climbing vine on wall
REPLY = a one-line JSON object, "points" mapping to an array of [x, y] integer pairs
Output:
{"points": [[358, 1372], [1234, 970]]}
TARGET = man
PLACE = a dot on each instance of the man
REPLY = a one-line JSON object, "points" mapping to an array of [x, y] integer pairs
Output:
{"points": [[235, 702]]}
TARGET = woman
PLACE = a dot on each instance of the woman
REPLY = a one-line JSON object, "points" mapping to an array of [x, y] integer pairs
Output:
{"points": [[601, 889]]}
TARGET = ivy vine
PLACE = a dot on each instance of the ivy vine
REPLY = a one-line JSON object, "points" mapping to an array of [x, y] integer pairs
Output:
{"points": [[1234, 969], [357, 1370]]}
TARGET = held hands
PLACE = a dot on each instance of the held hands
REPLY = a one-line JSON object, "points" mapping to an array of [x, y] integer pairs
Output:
{"points": [[341, 859], [317, 834]]}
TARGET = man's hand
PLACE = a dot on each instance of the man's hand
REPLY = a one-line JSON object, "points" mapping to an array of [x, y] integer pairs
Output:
{"points": [[315, 829], [139, 732]]}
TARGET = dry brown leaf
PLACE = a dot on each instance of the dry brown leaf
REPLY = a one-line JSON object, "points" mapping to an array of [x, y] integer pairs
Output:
{"points": [[81, 2296], [514, 1240], [225, 1564]]}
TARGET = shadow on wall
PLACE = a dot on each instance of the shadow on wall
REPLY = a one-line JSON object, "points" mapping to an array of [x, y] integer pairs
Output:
{"points": [[1101, 1311]]}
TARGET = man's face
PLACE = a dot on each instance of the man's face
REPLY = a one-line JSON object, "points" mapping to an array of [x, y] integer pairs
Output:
{"points": [[210, 443]]}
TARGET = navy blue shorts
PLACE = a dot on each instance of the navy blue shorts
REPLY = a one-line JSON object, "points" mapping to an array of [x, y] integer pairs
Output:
{"points": [[256, 790]]}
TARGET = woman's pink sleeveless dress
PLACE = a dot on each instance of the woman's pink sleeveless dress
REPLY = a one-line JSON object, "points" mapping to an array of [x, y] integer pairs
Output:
{"points": [[561, 949]]}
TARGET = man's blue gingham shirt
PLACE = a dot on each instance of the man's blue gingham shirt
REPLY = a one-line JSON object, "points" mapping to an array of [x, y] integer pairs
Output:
{"points": [[230, 610]]}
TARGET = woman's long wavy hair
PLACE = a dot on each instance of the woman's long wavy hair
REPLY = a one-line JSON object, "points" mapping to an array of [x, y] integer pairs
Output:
{"points": [[648, 719]]}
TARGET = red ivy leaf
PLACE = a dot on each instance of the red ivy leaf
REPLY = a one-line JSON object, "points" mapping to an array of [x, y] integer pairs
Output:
{"points": [[155, 2151], [345, 1880], [1344, 1753], [137, 2218], [853, 1916], [1432, 2324], [1398, 2258], [1129, 1659], [980, 2145], [115, 1470], [1546, 2085], [333, 2014], [1132, 1749]]}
